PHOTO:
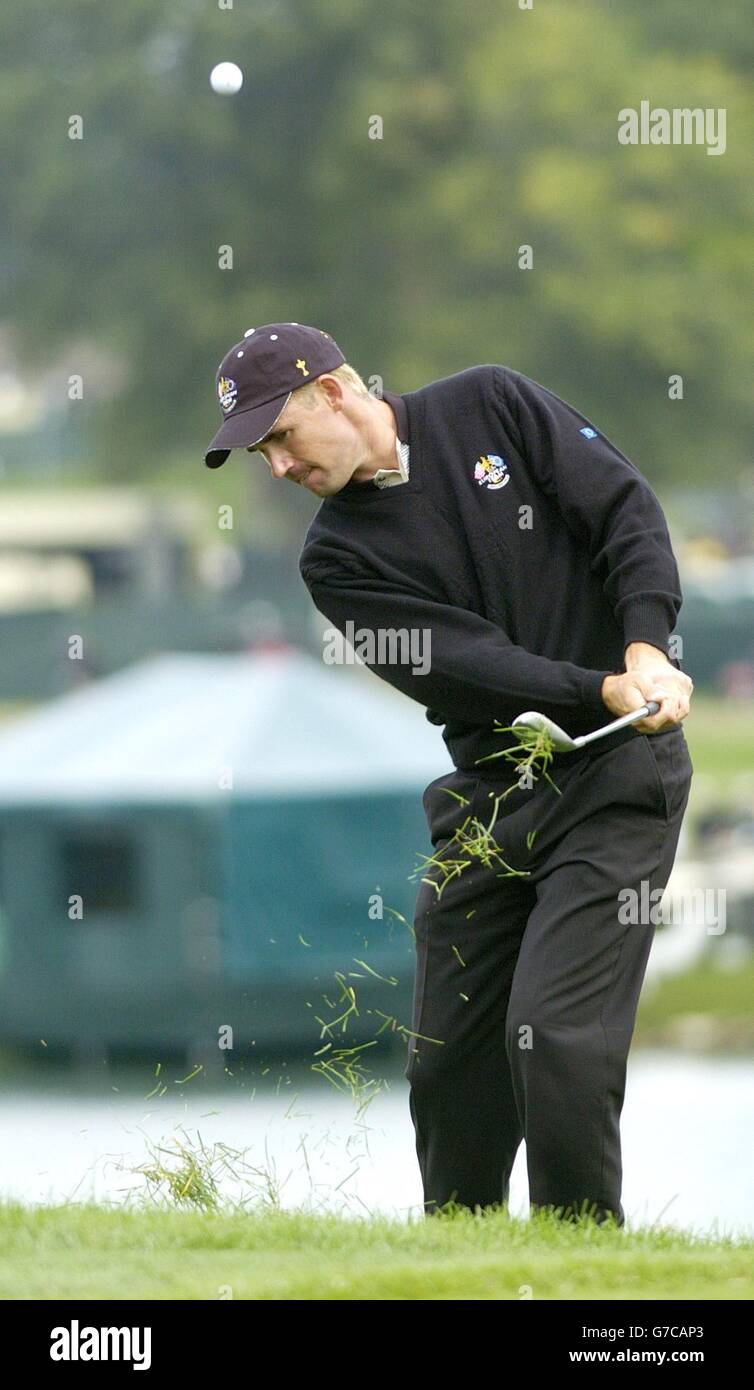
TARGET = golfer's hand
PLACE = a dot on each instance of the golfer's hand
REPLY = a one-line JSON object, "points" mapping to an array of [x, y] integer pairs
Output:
{"points": [[649, 676]]}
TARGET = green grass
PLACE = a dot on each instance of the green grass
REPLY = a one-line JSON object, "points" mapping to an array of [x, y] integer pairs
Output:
{"points": [[92, 1252], [719, 998], [703, 989], [720, 736]]}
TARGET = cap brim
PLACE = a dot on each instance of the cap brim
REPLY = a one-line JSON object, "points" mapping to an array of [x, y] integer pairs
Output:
{"points": [[244, 428]]}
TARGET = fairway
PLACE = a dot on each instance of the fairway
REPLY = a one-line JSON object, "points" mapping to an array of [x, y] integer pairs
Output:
{"points": [[89, 1252], [720, 736]]}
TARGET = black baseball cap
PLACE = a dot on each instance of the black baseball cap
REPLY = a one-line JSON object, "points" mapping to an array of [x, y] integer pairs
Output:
{"points": [[257, 376]]}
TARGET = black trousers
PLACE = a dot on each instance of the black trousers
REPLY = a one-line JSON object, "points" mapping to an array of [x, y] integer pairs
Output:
{"points": [[526, 988]]}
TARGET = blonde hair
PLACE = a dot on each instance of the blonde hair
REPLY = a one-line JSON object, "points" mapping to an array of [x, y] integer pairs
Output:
{"points": [[345, 373]]}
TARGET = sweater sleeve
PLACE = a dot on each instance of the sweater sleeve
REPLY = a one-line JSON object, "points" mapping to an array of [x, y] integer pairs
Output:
{"points": [[461, 666], [604, 500]]}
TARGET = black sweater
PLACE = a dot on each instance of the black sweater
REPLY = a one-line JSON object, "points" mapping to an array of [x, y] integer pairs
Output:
{"points": [[525, 542]]}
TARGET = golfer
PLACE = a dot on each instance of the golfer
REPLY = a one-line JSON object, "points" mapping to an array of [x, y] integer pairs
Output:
{"points": [[488, 519]]}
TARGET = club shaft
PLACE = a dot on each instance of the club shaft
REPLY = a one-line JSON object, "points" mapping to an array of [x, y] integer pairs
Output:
{"points": [[630, 718]]}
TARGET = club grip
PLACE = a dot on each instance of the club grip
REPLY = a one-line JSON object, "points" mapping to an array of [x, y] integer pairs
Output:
{"points": [[652, 707]]}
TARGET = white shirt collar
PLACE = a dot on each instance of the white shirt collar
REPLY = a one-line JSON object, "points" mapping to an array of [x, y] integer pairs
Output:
{"points": [[389, 477]]}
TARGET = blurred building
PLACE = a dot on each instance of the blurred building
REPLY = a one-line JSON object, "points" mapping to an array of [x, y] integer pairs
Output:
{"points": [[201, 841], [129, 574]]}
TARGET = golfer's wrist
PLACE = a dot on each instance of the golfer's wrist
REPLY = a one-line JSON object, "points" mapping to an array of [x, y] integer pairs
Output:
{"points": [[637, 652], [606, 689]]}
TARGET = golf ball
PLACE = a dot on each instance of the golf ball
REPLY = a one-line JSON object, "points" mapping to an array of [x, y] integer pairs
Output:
{"points": [[226, 78]]}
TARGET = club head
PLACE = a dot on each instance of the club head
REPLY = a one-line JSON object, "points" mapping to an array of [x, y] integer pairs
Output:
{"points": [[531, 719]]}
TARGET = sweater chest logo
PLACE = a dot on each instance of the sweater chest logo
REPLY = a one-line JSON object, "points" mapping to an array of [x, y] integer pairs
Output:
{"points": [[491, 472]]}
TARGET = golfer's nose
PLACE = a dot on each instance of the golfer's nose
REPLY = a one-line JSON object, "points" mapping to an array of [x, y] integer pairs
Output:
{"points": [[280, 463]]}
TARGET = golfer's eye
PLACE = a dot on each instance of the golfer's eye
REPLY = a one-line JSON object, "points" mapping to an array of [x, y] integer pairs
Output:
{"points": [[253, 448]]}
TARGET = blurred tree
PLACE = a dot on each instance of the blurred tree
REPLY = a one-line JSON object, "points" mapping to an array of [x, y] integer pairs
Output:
{"points": [[499, 131]]}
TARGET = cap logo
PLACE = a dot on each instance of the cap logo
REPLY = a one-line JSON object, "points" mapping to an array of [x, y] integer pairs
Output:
{"points": [[227, 391], [301, 364]]}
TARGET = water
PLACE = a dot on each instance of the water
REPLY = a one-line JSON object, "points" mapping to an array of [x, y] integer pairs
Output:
{"points": [[688, 1138]]}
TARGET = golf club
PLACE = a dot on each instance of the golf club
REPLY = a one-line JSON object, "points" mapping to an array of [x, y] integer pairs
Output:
{"points": [[563, 743]]}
